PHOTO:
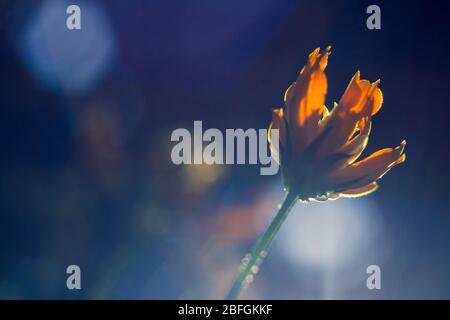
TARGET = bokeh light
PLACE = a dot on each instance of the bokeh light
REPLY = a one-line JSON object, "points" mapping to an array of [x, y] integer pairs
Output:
{"points": [[331, 234], [63, 60]]}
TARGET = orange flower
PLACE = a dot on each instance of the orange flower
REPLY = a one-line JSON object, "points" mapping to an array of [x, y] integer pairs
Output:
{"points": [[318, 149]]}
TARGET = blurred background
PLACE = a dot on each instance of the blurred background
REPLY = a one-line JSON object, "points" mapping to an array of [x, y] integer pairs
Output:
{"points": [[86, 177]]}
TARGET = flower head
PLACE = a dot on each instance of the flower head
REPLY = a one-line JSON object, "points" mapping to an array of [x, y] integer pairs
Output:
{"points": [[319, 149]]}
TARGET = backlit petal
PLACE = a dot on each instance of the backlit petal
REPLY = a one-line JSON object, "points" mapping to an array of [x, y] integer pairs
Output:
{"points": [[359, 192], [356, 145], [369, 169], [305, 100], [278, 122], [361, 99]]}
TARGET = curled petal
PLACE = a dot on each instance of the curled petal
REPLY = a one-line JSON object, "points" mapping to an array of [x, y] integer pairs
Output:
{"points": [[362, 96], [369, 169], [357, 144], [377, 97], [361, 99]]}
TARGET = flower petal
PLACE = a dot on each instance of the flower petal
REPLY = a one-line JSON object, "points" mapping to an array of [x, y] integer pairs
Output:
{"points": [[361, 99], [279, 123], [369, 169], [357, 144], [377, 97], [359, 192], [305, 100], [354, 97]]}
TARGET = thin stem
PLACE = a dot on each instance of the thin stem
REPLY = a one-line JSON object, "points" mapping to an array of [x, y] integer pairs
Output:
{"points": [[250, 263]]}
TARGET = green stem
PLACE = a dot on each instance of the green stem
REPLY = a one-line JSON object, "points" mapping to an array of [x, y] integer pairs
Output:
{"points": [[252, 262]]}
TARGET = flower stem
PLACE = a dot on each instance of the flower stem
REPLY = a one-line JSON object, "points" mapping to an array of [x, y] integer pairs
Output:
{"points": [[250, 263]]}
